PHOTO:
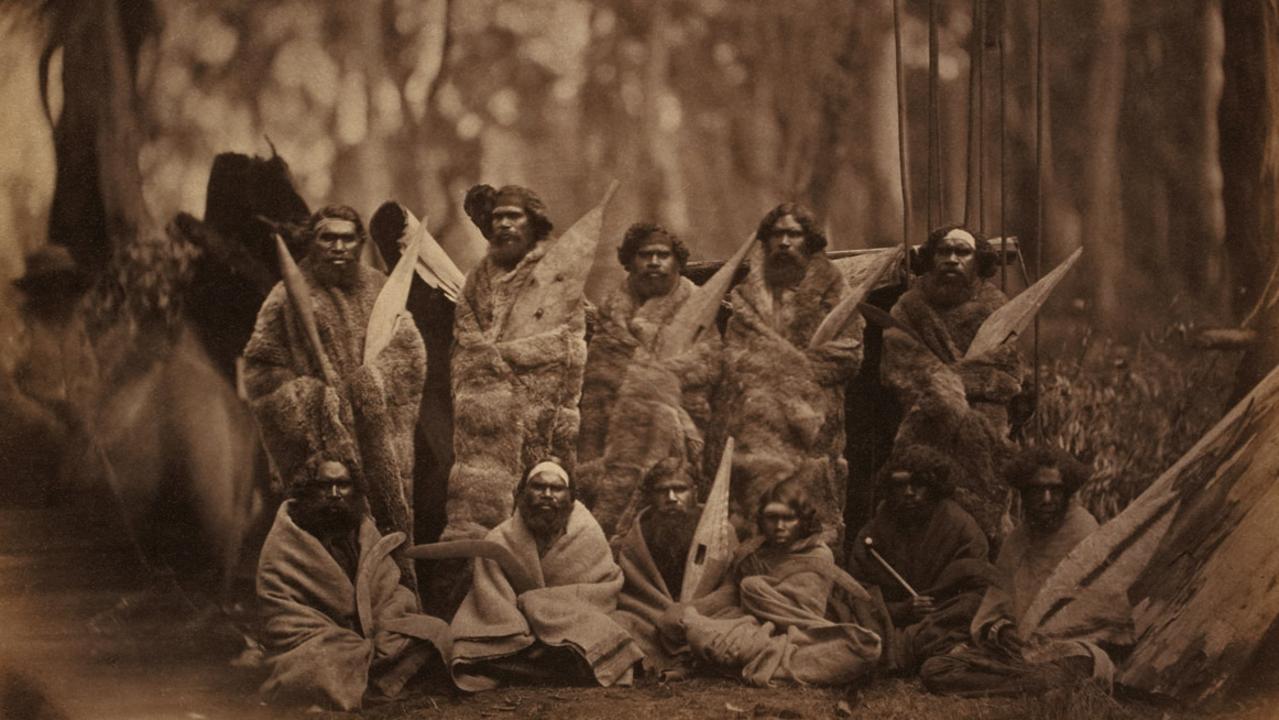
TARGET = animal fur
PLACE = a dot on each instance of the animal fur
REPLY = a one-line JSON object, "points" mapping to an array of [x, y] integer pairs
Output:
{"points": [[955, 404], [784, 401], [638, 410], [515, 401], [366, 421]]}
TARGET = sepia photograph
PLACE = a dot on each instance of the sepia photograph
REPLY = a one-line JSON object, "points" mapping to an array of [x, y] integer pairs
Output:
{"points": [[631, 359]]}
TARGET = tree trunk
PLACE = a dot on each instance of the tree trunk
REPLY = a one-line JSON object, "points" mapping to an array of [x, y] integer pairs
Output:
{"points": [[1249, 144], [1195, 555], [1103, 224]]}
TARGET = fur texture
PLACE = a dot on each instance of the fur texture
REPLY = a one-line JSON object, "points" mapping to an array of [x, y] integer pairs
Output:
{"points": [[637, 410], [784, 401], [515, 401], [367, 421], [957, 405]]}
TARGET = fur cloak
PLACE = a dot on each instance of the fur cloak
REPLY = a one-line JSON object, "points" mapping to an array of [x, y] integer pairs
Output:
{"points": [[945, 559], [637, 410], [514, 401], [783, 633], [327, 637], [366, 421], [784, 401], [955, 404], [577, 586]]}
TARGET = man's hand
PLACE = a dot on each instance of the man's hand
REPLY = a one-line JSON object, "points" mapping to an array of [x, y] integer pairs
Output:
{"points": [[921, 606]]}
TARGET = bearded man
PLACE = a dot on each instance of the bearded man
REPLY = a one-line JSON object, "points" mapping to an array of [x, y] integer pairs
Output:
{"points": [[365, 420], [954, 403], [542, 615], [515, 394], [337, 622], [638, 410], [784, 403], [1005, 657], [936, 547], [653, 555]]}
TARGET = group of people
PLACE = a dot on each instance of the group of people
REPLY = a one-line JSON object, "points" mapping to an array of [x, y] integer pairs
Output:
{"points": [[580, 464]]}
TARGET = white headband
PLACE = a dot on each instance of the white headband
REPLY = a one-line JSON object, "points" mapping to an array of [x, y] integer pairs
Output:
{"points": [[547, 466]]}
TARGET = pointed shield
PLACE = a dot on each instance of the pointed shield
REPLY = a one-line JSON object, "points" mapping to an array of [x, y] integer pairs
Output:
{"points": [[837, 318], [697, 315], [555, 288], [1008, 321], [715, 540], [390, 301]]}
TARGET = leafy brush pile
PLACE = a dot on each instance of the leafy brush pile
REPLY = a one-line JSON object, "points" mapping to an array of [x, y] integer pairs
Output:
{"points": [[1131, 410]]}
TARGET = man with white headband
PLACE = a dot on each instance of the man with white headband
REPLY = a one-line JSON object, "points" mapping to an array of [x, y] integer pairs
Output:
{"points": [[540, 614], [953, 403]]}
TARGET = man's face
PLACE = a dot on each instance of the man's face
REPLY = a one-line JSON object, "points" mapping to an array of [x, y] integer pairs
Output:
{"points": [[336, 249], [671, 495], [786, 257], [545, 503], [329, 502], [780, 524], [654, 269], [1044, 500], [512, 235], [955, 257], [909, 496]]}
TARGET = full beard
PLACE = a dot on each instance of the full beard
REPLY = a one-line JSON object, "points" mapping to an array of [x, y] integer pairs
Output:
{"points": [[545, 521], [669, 536], [345, 275], [328, 519], [507, 249], [650, 286], [782, 269], [947, 289]]}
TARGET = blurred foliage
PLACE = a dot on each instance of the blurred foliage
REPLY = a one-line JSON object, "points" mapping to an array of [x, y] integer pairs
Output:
{"points": [[1131, 410]]}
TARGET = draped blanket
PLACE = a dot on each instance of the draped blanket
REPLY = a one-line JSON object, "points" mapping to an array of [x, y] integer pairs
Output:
{"points": [[945, 559], [645, 598], [955, 404], [783, 633], [578, 583], [638, 410], [366, 421], [514, 400], [1024, 565], [327, 637], [784, 401]]}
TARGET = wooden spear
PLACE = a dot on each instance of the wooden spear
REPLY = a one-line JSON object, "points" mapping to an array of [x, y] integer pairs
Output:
{"points": [[300, 296]]}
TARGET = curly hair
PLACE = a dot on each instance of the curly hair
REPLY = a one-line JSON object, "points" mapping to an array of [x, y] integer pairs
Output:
{"points": [[481, 199], [987, 256], [639, 233], [925, 465], [792, 495], [814, 239], [335, 212], [1021, 468]]}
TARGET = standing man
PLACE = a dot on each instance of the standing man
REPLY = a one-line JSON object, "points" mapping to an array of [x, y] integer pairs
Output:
{"points": [[515, 394], [637, 409], [936, 547], [365, 419], [954, 403], [784, 402]]}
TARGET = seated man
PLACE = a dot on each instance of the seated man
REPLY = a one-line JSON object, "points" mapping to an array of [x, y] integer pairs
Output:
{"points": [[1004, 659], [779, 592], [652, 555], [937, 548], [541, 612], [336, 619]]}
